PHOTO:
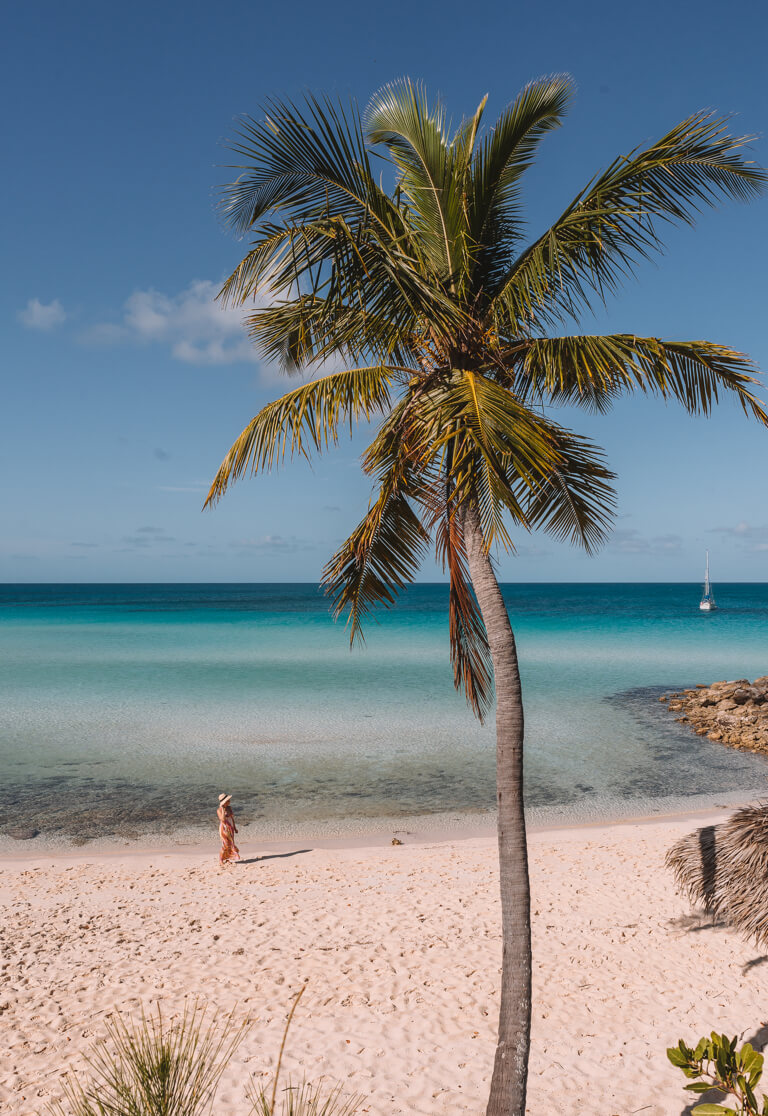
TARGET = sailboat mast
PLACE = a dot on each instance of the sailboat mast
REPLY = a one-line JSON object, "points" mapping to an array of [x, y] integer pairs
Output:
{"points": [[707, 601]]}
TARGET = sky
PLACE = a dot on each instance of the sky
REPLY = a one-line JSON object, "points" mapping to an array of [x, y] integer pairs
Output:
{"points": [[124, 384]]}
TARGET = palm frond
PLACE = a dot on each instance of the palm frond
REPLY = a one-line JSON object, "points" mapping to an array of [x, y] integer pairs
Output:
{"points": [[592, 371], [303, 160], [278, 257], [332, 224], [380, 557], [464, 141], [308, 418], [361, 274], [385, 550], [400, 117], [505, 154], [383, 275], [470, 653], [723, 867], [614, 221], [307, 330], [492, 437], [511, 461], [574, 500]]}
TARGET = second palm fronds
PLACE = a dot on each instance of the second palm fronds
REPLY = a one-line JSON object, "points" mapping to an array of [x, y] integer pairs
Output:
{"points": [[724, 869]]}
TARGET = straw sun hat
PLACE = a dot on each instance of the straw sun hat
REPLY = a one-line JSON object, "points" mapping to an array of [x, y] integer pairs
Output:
{"points": [[224, 799]]}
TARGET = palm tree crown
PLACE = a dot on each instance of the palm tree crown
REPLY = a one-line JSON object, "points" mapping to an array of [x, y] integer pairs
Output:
{"points": [[442, 320]]}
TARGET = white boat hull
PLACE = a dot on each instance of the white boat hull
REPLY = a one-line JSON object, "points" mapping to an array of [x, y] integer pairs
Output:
{"points": [[707, 606]]}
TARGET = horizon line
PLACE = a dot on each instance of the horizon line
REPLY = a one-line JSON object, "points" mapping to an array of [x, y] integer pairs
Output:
{"points": [[317, 584]]}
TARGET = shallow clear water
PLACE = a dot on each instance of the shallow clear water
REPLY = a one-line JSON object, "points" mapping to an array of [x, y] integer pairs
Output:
{"points": [[127, 708]]}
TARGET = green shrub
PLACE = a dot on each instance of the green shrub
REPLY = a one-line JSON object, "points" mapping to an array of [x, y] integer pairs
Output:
{"points": [[720, 1065]]}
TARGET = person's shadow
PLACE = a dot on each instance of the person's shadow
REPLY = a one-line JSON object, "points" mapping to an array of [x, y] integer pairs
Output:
{"points": [[274, 856]]}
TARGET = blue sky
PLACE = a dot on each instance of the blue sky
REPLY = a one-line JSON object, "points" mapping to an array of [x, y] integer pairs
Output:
{"points": [[123, 386]]}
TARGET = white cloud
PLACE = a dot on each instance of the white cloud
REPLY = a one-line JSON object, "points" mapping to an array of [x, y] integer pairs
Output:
{"points": [[191, 324], [41, 315], [194, 328], [183, 487], [526, 550], [743, 531], [747, 536], [630, 541], [272, 543]]}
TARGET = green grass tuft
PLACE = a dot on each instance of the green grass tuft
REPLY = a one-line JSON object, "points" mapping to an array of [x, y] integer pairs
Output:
{"points": [[148, 1067], [304, 1100]]}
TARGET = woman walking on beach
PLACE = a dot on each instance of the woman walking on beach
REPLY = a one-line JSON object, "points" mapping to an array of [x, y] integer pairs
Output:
{"points": [[227, 830]]}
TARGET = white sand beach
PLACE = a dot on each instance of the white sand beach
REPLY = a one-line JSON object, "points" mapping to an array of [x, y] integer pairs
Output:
{"points": [[401, 949]]}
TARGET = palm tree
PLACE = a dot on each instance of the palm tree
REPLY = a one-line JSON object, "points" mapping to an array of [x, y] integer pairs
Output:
{"points": [[416, 286]]}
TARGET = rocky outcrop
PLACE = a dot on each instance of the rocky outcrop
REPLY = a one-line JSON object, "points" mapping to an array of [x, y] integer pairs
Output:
{"points": [[732, 713]]}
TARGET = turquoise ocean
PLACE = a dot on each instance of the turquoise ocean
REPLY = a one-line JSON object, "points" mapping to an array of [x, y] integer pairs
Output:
{"points": [[125, 709]]}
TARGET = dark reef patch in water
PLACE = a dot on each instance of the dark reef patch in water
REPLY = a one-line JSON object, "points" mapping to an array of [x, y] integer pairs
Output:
{"points": [[682, 764], [82, 808]]}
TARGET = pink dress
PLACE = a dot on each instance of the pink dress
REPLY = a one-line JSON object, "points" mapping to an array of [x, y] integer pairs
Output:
{"points": [[229, 850]]}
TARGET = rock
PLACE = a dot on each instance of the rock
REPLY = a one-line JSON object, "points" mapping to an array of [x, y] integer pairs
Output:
{"points": [[729, 712], [396, 841]]}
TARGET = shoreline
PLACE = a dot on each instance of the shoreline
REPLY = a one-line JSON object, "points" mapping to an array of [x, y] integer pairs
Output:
{"points": [[199, 846]]}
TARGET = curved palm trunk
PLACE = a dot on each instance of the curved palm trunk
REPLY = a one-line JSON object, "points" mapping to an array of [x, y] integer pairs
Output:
{"points": [[510, 1070]]}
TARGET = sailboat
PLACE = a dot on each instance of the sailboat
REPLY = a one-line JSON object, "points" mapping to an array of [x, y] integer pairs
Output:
{"points": [[707, 603]]}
